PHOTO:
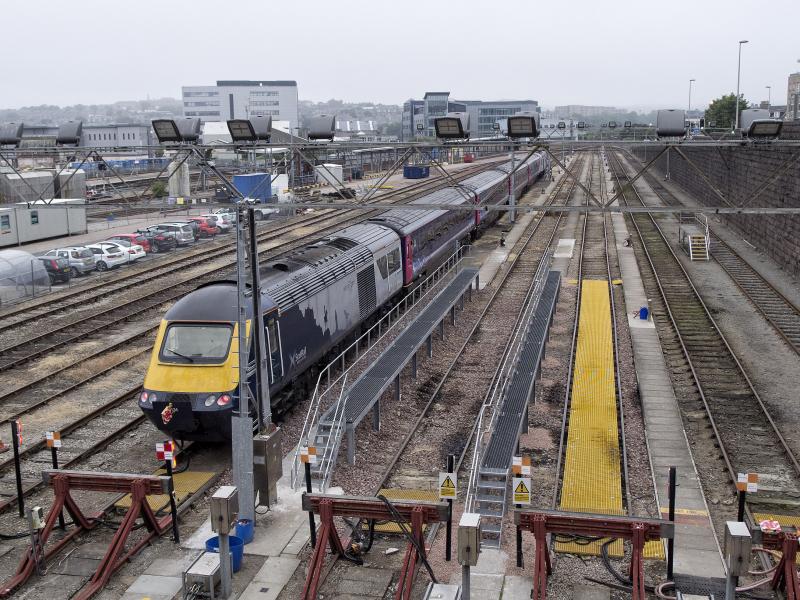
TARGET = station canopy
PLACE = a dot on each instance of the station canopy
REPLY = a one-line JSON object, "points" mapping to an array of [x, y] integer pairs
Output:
{"points": [[20, 274]]}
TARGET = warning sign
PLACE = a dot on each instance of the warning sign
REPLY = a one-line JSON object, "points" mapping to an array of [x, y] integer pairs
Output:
{"points": [[521, 465], [747, 482], [447, 486], [165, 450], [308, 455], [522, 490], [53, 439]]}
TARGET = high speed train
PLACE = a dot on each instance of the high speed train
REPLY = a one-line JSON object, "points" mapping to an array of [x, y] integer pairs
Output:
{"points": [[314, 299]]}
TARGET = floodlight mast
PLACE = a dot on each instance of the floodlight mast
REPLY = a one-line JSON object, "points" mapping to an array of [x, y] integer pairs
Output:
{"points": [[518, 126]]}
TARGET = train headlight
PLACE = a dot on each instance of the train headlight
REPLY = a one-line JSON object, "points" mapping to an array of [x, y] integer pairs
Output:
{"points": [[223, 400], [153, 397], [210, 400], [143, 397]]}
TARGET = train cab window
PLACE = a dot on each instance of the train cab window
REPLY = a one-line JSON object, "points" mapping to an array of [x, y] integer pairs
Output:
{"points": [[383, 266], [34, 217], [274, 348], [5, 223], [394, 260], [205, 343]]}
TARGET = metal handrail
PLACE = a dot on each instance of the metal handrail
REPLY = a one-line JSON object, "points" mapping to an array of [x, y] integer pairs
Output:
{"points": [[336, 434], [411, 299]]}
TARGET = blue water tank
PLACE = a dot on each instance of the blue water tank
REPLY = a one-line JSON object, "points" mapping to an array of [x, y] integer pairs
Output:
{"points": [[644, 313]]}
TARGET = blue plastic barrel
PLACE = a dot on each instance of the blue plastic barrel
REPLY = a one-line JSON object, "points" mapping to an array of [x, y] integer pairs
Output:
{"points": [[244, 530], [643, 313], [237, 549]]}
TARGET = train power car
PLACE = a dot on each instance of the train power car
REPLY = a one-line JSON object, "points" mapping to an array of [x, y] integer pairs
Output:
{"points": [[314, 299]]}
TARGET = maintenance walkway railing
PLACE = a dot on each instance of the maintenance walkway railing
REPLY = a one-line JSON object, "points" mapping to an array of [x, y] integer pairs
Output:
{"points": [[505, 415]]}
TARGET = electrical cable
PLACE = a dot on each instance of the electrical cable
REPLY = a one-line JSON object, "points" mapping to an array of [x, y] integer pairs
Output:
{"points": [[407, 533]]}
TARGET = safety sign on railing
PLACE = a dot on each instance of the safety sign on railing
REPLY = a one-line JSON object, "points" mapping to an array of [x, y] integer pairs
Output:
{"points": [[448, 486], [522, 490]]}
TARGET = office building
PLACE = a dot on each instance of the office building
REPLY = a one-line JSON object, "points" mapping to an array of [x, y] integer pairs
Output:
{"points": [[793, 98], [240, 99]]}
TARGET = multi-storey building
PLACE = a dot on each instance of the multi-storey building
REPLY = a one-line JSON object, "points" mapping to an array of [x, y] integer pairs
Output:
{"points": [[793, 98], [239, 99]]}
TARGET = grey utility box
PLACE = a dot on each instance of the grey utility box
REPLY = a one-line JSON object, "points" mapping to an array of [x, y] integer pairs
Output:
{"points": [[204, 572], [737, 548], [267, 467], [469, 539], [224, 509]]}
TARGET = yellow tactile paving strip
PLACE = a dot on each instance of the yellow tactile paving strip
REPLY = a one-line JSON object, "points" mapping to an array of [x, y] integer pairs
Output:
{"points": [[784, 520], [404, 495], [592, 478], [186, 484]]}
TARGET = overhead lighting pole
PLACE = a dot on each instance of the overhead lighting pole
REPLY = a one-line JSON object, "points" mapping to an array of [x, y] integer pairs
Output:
{"points": [[691, 81], [769, 96], [738, 80]]}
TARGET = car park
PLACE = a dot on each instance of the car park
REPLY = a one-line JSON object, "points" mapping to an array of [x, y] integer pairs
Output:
{"points": [[182, 234], [108, 256], [157, 240], [133, 251], [221, 221], [195, 227], [81, 259], [208, 228], [57, 268], [132, 238]]}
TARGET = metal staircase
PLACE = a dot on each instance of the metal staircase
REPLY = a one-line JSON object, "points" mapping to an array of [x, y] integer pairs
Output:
{"points": [[491, 503]]}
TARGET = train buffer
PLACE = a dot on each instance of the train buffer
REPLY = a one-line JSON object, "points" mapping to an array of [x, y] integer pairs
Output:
{"points": [[364, 394]]}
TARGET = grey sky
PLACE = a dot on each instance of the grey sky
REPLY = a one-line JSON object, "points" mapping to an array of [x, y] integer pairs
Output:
{"points": [[622, 53]]}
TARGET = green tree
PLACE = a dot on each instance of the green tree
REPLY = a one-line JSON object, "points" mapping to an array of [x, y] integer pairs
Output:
{"points": [[722, 111], [158, 189]]}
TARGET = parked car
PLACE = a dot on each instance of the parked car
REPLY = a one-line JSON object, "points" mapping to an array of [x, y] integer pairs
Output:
{"points": [[195, 227], [221, 221], [108, 256], [208, 227], [157, 240], [81, 260], [182, 234], [133, 251], [57, 268], [132, 238]]}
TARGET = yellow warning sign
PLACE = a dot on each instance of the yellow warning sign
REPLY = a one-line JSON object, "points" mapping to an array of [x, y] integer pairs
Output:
{"points": [[522, 490], [448, 486]]}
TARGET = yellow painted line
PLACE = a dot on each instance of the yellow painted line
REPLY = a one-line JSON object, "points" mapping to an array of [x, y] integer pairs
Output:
{"points": [[592, 475], [784, 520], [684, 511], [616, 281], [186, 484]]}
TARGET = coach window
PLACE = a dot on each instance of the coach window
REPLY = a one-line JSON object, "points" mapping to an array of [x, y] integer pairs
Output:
{"points": [[5, 223], [394, 260], [34, 217]]}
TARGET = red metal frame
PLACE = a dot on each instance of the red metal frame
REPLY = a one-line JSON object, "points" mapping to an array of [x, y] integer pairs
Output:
{"points": [[638, 531], [785, 576], [367, 507], [63, 482]]}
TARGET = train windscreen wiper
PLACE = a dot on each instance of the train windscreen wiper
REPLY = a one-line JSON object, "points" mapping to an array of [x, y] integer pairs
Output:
{"points": [[176, 353]]}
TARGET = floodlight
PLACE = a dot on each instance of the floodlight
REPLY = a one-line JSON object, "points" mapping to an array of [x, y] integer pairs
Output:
{"points": [[166, 131], [189, 129], [627, 124], [69, 133], [562, 125], [322, 127], [612, 124], [11, 134], [765, 128], [581, 124], [453, 126], [670, 123], [603, 124], [522, 126], [496, 126], [250, 130]]}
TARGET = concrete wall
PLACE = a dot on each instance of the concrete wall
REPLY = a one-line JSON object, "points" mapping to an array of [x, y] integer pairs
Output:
{"points": [[739, 173]]}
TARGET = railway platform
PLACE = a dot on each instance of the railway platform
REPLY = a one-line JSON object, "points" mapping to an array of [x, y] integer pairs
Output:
{"points": [[697, 552]]}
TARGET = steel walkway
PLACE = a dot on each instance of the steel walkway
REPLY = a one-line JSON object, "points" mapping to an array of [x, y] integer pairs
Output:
{"points": [[363, 396], [592, 481], [512, 417]]}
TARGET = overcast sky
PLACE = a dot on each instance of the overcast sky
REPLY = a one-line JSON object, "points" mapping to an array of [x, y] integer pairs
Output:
{"points": [[619, 53]]}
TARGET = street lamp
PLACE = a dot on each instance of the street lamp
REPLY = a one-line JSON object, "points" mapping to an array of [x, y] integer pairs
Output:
{"points": [[769, 96], [691, 81], [738, 79]]}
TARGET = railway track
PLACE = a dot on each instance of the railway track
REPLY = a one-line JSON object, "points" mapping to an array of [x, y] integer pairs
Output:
{"points": [[594, 262], [777, 309], [706, 368], [90, 321]]}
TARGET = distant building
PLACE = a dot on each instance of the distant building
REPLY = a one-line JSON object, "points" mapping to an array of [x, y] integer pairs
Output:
{"points": [[241, 99], [482, 114], [793, 98], [574, 110], [94, 136]]}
